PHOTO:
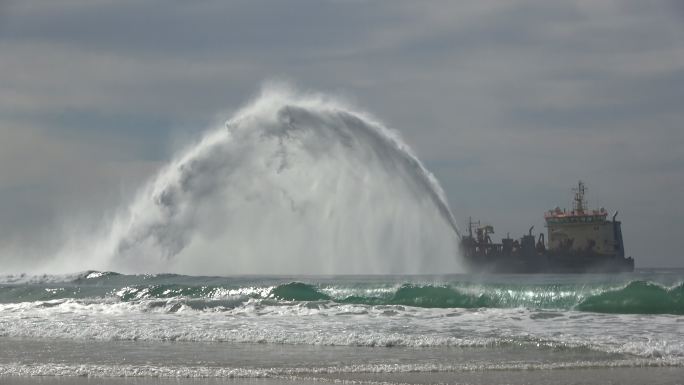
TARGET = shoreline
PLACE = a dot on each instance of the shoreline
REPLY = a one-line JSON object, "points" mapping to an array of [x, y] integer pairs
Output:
{"points": [[625, 376]]}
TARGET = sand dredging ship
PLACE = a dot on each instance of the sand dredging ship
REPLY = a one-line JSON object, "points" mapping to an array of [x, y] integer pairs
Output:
{"points": [[579, 241]]}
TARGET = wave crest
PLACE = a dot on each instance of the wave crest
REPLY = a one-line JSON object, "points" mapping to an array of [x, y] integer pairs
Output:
{"points": [[638, 297]]}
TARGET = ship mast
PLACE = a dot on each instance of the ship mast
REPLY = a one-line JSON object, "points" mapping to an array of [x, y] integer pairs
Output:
{"points": [[579, 203]]}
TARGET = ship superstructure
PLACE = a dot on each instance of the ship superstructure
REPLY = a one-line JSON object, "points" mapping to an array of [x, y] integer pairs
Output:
{"points": [[583, 230], [579, 240]]}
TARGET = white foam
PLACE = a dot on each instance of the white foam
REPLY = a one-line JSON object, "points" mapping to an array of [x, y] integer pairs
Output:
{"points": [[326, 323], [119, 370], [34, 279]]}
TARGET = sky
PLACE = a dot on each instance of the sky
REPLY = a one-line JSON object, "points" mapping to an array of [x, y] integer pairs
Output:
{"points": [[509, 103]]}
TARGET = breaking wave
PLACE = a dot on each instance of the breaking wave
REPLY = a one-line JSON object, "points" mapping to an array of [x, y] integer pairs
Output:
{"points": [[638, 297], [400, 311], [216, 293]]}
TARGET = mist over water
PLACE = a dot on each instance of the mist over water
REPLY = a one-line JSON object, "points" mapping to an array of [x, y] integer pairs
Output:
{"points": [[293, 184]]}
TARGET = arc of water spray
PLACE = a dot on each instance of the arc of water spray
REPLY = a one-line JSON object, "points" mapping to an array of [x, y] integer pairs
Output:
{"points": [[300, 177]]}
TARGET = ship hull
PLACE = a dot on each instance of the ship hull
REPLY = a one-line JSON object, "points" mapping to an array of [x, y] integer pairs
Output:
{"points": [[550, 264]]}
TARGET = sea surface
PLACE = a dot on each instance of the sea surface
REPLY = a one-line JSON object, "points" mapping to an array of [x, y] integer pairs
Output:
{"points": [[105, 327]]}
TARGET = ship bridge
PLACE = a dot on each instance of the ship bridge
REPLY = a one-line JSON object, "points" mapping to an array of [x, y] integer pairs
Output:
{"points": [[557, 216], [582, 229]]}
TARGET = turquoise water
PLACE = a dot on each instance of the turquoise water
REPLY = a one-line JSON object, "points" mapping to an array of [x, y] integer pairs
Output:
{"points": [[645, 292], [106, 324]]}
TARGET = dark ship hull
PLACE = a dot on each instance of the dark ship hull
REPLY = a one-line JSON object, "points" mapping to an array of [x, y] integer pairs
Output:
{"points": [[549, 264], [579, 241]]}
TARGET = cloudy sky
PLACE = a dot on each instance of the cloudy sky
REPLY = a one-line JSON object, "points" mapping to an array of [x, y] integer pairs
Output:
{"points": [[508, 102]]}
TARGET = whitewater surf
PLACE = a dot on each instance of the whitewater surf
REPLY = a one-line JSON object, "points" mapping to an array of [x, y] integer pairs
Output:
{"points": [[107, 324]]}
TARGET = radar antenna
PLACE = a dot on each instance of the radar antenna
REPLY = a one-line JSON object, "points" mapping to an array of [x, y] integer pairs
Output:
{"points": [[579, 203]]}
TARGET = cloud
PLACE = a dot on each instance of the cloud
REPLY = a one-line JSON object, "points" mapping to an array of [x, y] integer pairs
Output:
{"points": [[50, 185], [509, 102]]}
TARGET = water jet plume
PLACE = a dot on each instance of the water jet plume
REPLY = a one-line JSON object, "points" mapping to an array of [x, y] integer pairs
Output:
{"points": [[291, 185]]}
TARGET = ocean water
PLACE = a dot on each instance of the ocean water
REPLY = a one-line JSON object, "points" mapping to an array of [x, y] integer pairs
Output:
{"points": [[390, 329]]}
